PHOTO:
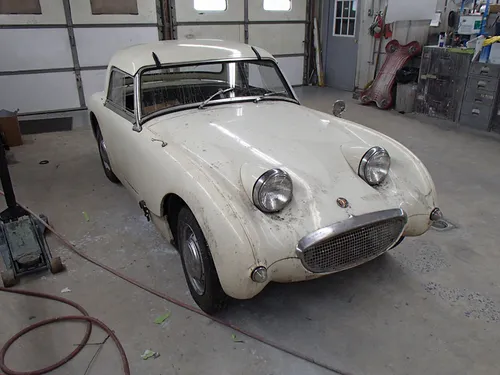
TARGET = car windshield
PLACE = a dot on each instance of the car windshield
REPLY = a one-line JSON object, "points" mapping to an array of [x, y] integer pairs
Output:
{"points": [[204, 84]]}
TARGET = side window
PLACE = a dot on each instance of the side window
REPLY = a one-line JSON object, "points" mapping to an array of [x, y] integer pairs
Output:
{"points": [[121, 91]]}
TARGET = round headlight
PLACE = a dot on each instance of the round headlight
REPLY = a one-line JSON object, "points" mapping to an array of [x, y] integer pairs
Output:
{"points": [[273, 191], [374, 166]]}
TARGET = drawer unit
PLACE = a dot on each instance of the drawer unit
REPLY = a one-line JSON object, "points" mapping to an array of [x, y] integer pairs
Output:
{"points": [[480, 99], [485, 70], [482, 113], [485, 83], [480, 96]]}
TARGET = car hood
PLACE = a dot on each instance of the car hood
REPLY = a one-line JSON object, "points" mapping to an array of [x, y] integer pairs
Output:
{"points": [[230, 141]]}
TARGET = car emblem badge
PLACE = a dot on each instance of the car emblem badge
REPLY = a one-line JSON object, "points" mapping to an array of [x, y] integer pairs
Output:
{"points": [[342, 202]]}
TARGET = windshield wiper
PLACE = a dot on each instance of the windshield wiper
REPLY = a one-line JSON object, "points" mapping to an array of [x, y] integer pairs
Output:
{"points": [[268, 94], [219, 92]]}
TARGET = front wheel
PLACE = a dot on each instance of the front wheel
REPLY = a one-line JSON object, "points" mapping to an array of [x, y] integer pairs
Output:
{"points": [[199, 268], [103, 153]]}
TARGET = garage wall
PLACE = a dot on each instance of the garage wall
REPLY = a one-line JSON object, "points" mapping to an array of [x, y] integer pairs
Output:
{"points": [[403, 31], [28, 53], [282, 33], [64, 51]]}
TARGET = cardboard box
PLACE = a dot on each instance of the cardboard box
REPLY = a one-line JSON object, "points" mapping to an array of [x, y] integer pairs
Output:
{"points": [[495, 8], [9, 127]]}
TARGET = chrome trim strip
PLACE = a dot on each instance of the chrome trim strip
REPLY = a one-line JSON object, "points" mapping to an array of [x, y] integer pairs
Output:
{"points": [[348, 225]]}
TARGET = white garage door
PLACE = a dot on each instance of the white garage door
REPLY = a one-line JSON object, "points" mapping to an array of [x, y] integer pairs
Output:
{"points": [[278, 26], [54, 52]]}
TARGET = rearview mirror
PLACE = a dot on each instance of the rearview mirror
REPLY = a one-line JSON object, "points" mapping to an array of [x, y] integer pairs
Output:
{"points": [[338, 108]]}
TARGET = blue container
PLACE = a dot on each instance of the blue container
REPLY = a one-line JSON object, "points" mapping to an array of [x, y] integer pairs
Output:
{"points": [[485, 54]]}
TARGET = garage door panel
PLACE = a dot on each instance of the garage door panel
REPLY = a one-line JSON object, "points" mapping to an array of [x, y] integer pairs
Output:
{"points": [[52, 13], [278, 39], [25, 49], [185, 12], [256, 12], [96, 45], [293, 69], [92, 81], [81, 13], [39, 92], [225, 32]]}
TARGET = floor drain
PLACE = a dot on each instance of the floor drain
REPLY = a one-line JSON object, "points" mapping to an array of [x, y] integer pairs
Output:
{"points": [[442, 225]]}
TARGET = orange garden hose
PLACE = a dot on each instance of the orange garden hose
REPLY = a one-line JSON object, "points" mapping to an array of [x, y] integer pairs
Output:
{"points": [[91, 320]]}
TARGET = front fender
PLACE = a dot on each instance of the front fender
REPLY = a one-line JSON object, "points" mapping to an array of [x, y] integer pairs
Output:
{"points": [[409, 185], [229, 244]]}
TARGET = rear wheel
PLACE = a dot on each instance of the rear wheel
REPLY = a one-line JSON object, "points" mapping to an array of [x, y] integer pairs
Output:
{"points": [[103, 152], [199, 268]]}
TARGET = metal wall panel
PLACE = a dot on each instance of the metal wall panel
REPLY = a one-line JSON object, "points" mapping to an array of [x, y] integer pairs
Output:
{"points": [[293, 68], [225, 32], [82, 14], [256, 12], [39, 92], [25, 49], [278, 39], [52, 13], [93, 81], [185, 12], [96, 45]]}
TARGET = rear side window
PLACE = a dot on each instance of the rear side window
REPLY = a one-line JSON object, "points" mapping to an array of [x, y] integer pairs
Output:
{"points": [[121, 91]]}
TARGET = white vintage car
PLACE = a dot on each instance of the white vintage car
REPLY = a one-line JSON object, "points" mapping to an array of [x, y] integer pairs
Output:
{"points": [[248, 184]]}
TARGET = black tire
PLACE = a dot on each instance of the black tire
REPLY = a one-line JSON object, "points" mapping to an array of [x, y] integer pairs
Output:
{"points": [[106, 165], [212, 298]]}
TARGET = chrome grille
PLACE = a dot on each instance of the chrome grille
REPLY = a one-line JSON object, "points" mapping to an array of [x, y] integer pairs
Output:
{"points": [[353, 246]]}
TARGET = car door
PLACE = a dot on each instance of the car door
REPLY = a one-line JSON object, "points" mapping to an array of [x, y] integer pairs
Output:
{"points": [[119, 117]]}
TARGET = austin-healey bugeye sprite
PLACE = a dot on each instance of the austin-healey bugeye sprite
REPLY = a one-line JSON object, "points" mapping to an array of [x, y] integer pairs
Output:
{"points": [[248, 184]]}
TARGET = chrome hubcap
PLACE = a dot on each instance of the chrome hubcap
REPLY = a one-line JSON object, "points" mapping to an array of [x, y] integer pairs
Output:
{"points": [[191, 254], [104, 154]]}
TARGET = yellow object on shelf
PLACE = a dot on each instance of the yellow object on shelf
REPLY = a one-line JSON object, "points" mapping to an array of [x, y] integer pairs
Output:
{"points": [[491, 40]]}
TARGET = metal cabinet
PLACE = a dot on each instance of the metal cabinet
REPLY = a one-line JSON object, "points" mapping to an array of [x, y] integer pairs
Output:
{"points": [[479, 102], [443, 76]]}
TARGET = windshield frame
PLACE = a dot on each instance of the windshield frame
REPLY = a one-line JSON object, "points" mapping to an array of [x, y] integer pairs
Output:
{"points": [[138, 92]]}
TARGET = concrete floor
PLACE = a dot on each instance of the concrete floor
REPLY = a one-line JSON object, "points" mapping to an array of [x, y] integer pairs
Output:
{"points": [[432, 306]]}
